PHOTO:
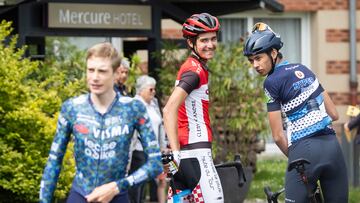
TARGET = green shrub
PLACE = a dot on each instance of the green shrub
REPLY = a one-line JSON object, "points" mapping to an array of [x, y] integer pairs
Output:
{"points": [[237, 104], [31, 93]]}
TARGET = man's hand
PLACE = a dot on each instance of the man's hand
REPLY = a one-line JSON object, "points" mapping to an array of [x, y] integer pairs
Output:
{"points": [[104, 193], [171, 166]]}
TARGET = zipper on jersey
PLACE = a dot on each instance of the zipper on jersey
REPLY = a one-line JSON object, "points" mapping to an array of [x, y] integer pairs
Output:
{"points": [[100, 143]]}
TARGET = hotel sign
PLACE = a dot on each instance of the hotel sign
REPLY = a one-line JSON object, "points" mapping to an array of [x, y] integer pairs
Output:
{"points": [[99, 16]]}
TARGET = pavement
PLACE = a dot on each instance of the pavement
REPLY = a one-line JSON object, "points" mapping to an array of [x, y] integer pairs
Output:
{"points": [[271, 150]]}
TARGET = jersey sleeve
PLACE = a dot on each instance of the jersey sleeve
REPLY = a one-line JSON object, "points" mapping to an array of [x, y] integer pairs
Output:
{"points": [[153, 166], [56, 154], [189, 81], [272, 96]]}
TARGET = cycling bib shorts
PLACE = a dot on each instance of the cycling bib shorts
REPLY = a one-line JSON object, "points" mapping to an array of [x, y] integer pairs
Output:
{"points": [[198, 173], [326, 164]]}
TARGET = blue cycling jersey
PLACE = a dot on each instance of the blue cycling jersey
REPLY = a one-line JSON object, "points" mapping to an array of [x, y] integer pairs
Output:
{"points": [[295, 90], [101, 145]]}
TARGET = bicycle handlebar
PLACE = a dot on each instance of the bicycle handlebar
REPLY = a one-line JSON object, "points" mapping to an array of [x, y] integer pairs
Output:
{"points": [[271, 196]]}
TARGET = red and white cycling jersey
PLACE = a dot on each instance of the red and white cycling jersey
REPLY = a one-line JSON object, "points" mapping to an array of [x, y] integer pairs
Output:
{"points": [[193, 114]]}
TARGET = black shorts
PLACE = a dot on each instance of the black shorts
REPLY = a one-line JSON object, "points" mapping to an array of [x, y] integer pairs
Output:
{"points": [[327, 165]]}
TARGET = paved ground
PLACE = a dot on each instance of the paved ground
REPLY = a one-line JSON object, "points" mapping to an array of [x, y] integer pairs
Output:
{"points": [[271, 150]]}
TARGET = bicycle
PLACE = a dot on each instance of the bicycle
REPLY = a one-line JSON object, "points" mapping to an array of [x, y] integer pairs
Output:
{"points": [[178, 197], [299, 165]]}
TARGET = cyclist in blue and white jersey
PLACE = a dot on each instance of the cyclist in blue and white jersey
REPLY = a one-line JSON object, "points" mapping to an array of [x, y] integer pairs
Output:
{"points": [[296, 99], [102, 124]]}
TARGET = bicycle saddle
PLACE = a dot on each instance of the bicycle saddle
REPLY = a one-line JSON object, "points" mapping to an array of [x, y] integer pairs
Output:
{"points": [[298, 164]]}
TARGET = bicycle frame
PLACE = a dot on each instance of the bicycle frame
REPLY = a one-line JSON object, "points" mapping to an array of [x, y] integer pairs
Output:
{"points": [[177, 198], [299, 165]]}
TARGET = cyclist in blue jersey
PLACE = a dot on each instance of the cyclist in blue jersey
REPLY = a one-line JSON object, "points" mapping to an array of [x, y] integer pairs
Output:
{"points": [[297, 101], [101, 124]]}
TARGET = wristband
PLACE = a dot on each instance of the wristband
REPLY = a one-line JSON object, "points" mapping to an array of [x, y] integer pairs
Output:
{"points": [[176, 155]]}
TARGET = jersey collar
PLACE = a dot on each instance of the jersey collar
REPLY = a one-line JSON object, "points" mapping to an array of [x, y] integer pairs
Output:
{"points": [[202, 62], [110, 106], [282, 63]]}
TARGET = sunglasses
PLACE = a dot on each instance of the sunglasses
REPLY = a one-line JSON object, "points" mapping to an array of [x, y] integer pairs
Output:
{"points": [[260, 27]]}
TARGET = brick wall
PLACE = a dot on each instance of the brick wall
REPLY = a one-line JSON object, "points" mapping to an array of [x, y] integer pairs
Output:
{"points": [[340, 67], [314, 5], [340, 98], [340, 35], [171, 33]]}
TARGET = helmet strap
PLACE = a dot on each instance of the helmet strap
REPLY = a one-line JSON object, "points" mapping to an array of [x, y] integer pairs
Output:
{"points": [[193, 41], [273, 61]]}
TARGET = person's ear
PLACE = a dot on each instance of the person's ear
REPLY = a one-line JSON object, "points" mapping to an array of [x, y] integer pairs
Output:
{"points": [[190, 43], [274, 54]]}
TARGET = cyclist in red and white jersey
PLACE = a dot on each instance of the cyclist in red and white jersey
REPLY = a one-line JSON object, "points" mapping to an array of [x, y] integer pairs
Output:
{"points": [[186, 115]]}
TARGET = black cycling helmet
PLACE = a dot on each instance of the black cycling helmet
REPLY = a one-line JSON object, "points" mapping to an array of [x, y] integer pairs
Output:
{"points": [[262, 39], [200, 23]]}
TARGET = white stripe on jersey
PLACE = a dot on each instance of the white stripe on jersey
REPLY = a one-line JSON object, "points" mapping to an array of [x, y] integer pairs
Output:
{"points": [[301, 98], [309, 119], [194, 111]]}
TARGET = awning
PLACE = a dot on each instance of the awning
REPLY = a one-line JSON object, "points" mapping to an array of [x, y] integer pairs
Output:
{"points": [[179, 10]]}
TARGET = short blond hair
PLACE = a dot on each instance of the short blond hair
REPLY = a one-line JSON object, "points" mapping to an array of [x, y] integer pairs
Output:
{"points": [[105, 50]]}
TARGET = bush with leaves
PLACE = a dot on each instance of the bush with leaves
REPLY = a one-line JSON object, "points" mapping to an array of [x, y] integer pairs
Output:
{"points": [[171, 58], [238, 112], [31, 93], [237, 109]]}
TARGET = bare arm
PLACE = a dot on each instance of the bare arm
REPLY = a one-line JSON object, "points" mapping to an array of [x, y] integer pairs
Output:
{"points": [[170, 113], [330, 107], [277, 131]]}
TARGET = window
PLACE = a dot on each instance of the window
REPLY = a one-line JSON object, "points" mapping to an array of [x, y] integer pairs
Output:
{"points": [[293, 29], [232, 29]]}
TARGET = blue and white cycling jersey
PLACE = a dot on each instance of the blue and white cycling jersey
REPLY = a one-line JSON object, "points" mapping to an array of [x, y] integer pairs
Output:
{"points": [[101, 145], [295, 90]]}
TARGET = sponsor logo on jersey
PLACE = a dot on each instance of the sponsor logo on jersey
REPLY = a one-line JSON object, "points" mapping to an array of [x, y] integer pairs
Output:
{"points": [[141, 121], [291, 67], [299, 74], [62, 120], [110, 132], [97, 151], [195, 118], [87, 119], [193, 63], [303, 83], [113, 120], [81, 128]]}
